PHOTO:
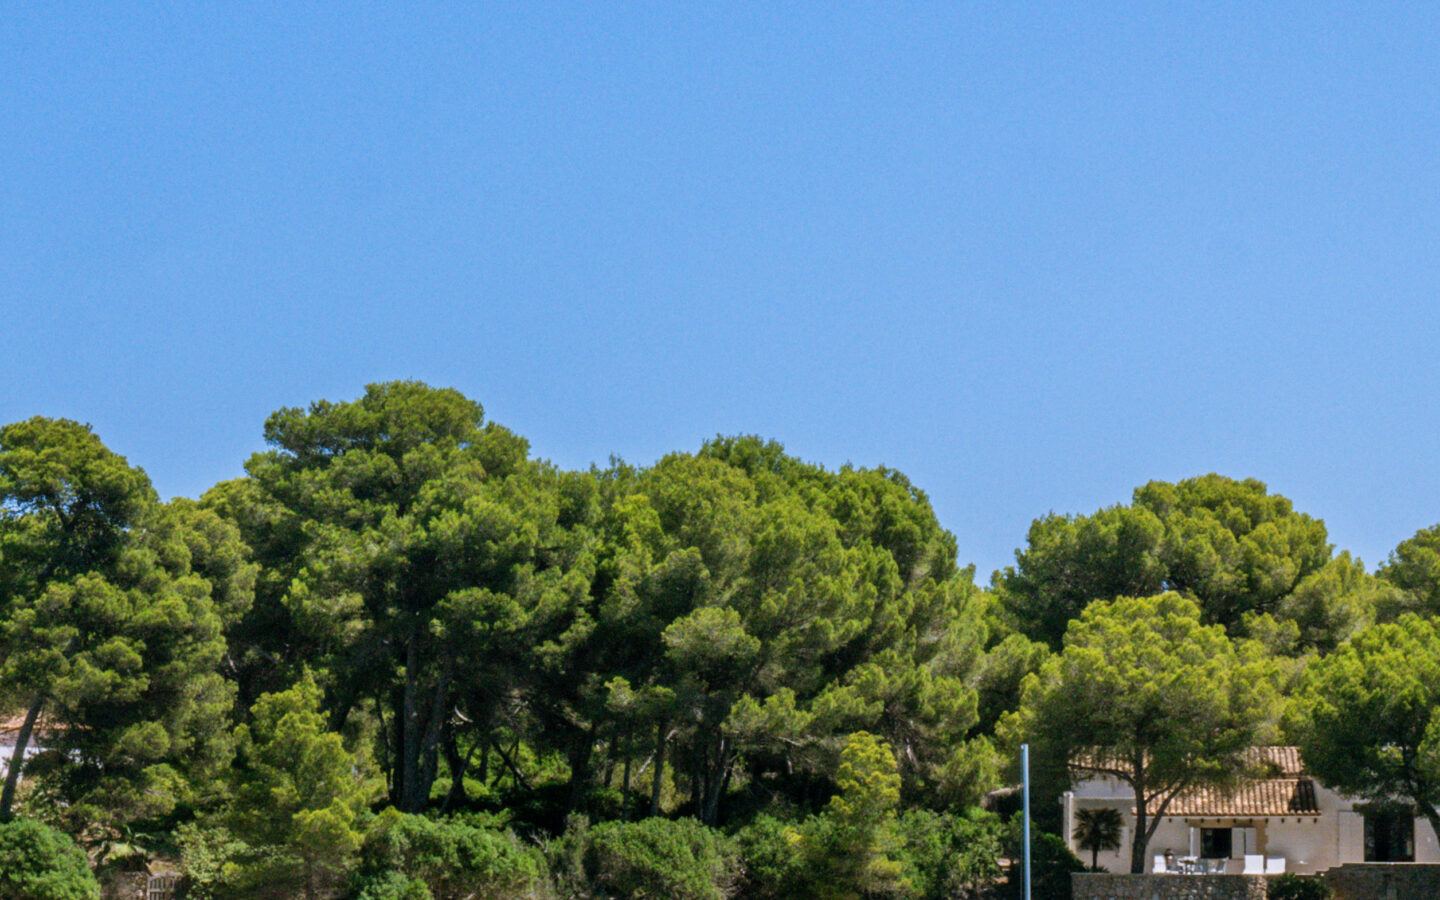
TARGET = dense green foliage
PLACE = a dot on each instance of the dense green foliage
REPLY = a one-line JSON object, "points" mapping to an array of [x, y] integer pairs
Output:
{"points": [[1368, 716], [1230, 546], [949, 855], [402, 658], [1414, 567], [112, 616], [40, 863], [447, 859], [660, 858], [1051, 863], [300, 799]]}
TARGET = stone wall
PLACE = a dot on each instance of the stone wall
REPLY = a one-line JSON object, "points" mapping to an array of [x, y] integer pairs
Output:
{"points": [[123, 886], [129, 886], [1092, 886], [1383, 881]]}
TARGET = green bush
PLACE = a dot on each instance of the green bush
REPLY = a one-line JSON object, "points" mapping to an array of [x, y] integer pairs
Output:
{"points": [[453, 859], [944, 857], [1051, 862], [773, 858], [1296, 887], [39, 863], [205, 852], [677, 860], [950, 856], [565, 856], [393, 886], [845, 863]]}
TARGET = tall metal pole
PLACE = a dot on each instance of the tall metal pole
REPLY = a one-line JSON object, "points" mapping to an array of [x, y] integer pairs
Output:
{"points": [[1025, 789]]}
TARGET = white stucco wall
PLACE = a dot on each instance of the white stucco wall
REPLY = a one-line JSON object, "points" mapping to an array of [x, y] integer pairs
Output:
{"points": [[1308, 843]]}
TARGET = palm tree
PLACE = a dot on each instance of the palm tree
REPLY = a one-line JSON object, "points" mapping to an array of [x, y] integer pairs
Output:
{"points": [[1097, 829]]}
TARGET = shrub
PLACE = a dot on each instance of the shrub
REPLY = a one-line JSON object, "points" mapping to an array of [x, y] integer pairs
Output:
{"points": [[942, 857], [301, 800], [452, 859], [1296, 887], [773, 857], [205, 852], [39, 863], [1051, 862], [678, 860], [950, 856], [393, 886]]}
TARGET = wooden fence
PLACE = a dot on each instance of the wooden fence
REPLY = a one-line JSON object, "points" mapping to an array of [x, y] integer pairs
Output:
{"points": [[161, 887]]}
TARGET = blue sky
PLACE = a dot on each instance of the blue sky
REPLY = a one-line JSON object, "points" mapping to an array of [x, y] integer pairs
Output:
{"points": [[1033, 255]]}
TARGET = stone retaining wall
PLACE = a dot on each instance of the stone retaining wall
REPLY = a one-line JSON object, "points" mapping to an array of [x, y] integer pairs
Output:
{"points": [[1096, 886], [1383, 881], [123, 886]]}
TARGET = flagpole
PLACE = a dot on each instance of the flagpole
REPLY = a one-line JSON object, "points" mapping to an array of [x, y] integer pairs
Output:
{"points": [[1025, 789]]}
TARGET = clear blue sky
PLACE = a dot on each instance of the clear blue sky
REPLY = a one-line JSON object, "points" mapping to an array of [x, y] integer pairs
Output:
{"points": [[1033, 255]]}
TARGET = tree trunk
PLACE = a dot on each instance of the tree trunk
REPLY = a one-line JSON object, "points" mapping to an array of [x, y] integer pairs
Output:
{"points": [[386, 748], [1138, 843], [580, 753], [1142, 834], [430, 741], [17, 758], [698, 770], [515, 773], [397, 745], [655, 783], [457, 765], [410, 729], [610, 750], [717, 779]]}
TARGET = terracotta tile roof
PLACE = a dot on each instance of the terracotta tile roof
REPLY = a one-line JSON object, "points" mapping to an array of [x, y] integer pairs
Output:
{"points": [[1280, 788], [1268, 762], [1267, 797], [1283, 761]]}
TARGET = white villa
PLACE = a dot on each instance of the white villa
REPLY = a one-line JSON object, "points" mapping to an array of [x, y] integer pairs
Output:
{"points": [[1282, 822]]}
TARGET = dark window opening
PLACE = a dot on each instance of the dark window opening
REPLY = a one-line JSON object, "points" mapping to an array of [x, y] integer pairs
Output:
{"points": [[1389, 837], [1215, 843]]}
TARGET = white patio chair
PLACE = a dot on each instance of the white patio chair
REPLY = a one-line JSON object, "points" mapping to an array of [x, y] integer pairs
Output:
{"points": [[1254, 864], [1159, 867], [1275, 865]]}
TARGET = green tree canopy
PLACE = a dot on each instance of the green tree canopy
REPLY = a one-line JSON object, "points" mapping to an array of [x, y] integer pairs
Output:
{"points": [[414, 554], [1229, 545], [112, 612], [1368, 716], [1328, 607], [864, 842], [764, 605], [300, 799], [1414, 567], [1146, 693]]}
